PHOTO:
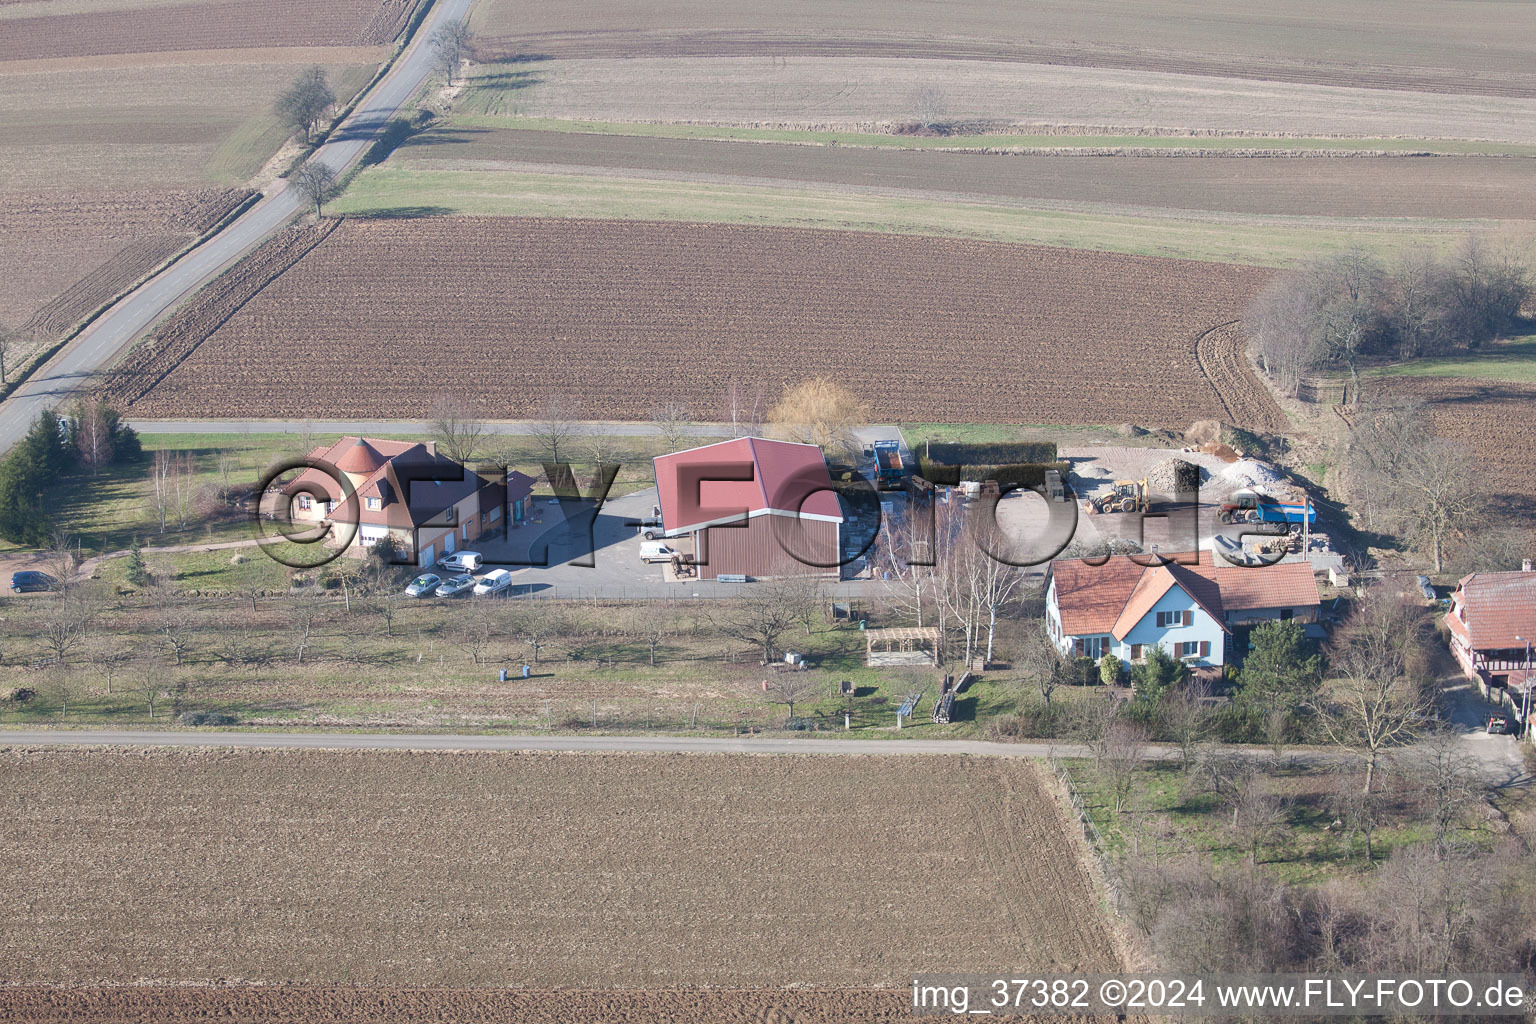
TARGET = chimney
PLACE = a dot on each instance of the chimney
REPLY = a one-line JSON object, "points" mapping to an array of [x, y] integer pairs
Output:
{"points": [[1525, 565]]}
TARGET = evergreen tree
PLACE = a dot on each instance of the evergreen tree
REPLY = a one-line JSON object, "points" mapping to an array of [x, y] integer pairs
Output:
{"points": [[1282, 672], [1156, 674]]}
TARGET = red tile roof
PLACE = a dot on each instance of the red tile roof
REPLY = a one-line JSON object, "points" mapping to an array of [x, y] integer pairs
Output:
{"points": [[1111, 598], [436, 482], [1494, 608], [743, 477]]}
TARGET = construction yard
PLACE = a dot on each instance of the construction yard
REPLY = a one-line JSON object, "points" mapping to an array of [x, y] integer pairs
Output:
{"points": [[644, 874]]}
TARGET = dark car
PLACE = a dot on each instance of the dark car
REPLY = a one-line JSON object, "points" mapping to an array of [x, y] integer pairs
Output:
{"points": [[31, 580]]}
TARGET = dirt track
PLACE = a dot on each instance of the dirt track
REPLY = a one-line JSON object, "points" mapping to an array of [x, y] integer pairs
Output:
{"points": [[1450, 187], [923, 329]]}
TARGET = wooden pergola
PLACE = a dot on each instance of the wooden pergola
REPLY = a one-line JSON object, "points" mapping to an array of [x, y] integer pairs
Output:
{"points": [[902, 645]]}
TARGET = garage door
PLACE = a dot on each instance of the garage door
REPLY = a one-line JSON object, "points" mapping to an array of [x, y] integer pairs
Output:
{"points": [[448, 544], [428, 556]]}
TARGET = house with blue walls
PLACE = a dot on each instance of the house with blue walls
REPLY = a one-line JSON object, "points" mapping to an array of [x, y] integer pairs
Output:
{"points": [[1190, 608]]}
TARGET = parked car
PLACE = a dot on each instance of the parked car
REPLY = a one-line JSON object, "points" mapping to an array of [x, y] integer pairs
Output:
{"points": [[655, 551], [462, 561], [650, 529], [456, 585], [494, 582], [424, 585], [1498, 725], [29, 580]]}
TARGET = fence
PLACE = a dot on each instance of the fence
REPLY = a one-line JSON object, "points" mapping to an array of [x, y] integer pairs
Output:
{"points": [[1091, 833]]}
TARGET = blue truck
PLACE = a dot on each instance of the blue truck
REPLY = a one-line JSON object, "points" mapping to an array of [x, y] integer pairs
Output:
{"points": [[1253, 507], [888, 462]]}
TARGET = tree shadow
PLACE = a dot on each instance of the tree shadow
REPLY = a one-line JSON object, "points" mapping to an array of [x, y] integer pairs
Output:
{"points": [[401, 212]]}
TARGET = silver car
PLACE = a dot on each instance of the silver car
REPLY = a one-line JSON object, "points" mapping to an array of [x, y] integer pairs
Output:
{"points": [[455, 585], [424, 585]]}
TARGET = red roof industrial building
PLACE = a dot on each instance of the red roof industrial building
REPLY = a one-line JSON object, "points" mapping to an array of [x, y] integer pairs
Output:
{"points": [[753, 507]]}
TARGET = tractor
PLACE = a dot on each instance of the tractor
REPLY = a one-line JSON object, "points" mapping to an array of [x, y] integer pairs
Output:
{"points": [[1123, 496]]}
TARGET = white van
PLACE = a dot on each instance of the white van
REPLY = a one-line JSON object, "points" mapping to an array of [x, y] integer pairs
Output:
{"points": [[655, 551], [463, 561]]}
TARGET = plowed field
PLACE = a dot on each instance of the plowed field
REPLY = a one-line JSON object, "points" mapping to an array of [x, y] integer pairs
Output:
{"points": [[63, 255], [1453, 187], [1493, 419], [646, 875], [212, 25], [384, 315], [1487, 48]]}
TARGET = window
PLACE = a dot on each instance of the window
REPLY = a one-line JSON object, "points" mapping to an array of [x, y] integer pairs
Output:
{"points": [[1094, 647], [495, 512], [1192, 649], [1137, 651], [1167, 619], [373, 504], [305, 503], [1285, 614]]}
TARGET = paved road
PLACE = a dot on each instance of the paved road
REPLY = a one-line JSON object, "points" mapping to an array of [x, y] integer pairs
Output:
{"points": [[99, 345]]}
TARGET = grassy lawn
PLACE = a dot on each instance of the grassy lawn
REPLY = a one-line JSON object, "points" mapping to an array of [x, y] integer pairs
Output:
{"points": [[111, 510], [1513, 361], [418, 671], [387, 191], [477, 106], [1161, 817]]}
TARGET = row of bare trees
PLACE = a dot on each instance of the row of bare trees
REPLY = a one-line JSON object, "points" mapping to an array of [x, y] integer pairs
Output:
{"points": [[1346, 308]]}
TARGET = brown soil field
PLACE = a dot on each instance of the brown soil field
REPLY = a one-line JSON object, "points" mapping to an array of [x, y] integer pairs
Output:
{"points": [[399, 870], [615, 313], [1487, 48], [260, 1005], [205, 26], [1222, 354], [1493, 419], [1448, 187], [62, 255], [858, 92]]}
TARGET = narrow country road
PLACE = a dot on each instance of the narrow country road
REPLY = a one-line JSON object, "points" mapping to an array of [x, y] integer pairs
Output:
{"points": [[99, 345]]}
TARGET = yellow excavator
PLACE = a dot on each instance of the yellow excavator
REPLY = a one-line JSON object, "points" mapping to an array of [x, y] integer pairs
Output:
{"points": [[1123, 496]]}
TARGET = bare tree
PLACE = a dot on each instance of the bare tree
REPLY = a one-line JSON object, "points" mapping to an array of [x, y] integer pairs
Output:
{"points": [[1039, 661], [7, 344], [745, 415], [534, 624], [475, 632], [92, 433], [176, 630], [459, 433], [1449, 779], [1186, 718], [451, 42], [821, 412], [1124, 747], [930, 108], [305, 103], [1258, 816], [653, 629], [1441, 490], [555, 426], [760, 617], [63, 557], [791, 688], [302, 617], [148, 683], [112, 660], [672, 420], [317, 184], [67, 619], [601, 447], [1380, 656]]}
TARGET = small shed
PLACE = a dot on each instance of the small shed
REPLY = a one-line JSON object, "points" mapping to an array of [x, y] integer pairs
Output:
{"points": [[902, 645]]}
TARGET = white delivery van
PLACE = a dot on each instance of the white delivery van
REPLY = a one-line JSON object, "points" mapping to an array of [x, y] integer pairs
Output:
{"points": [[655, 551]]}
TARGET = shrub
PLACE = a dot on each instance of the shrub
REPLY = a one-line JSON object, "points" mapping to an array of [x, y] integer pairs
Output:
{"points": [[207, 718], [1109, 670]]}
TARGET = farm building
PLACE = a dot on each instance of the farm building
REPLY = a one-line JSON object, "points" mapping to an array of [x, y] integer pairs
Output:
{"points": [[753, 507], [1492, 622], [428, 504], [1192, 610]]}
